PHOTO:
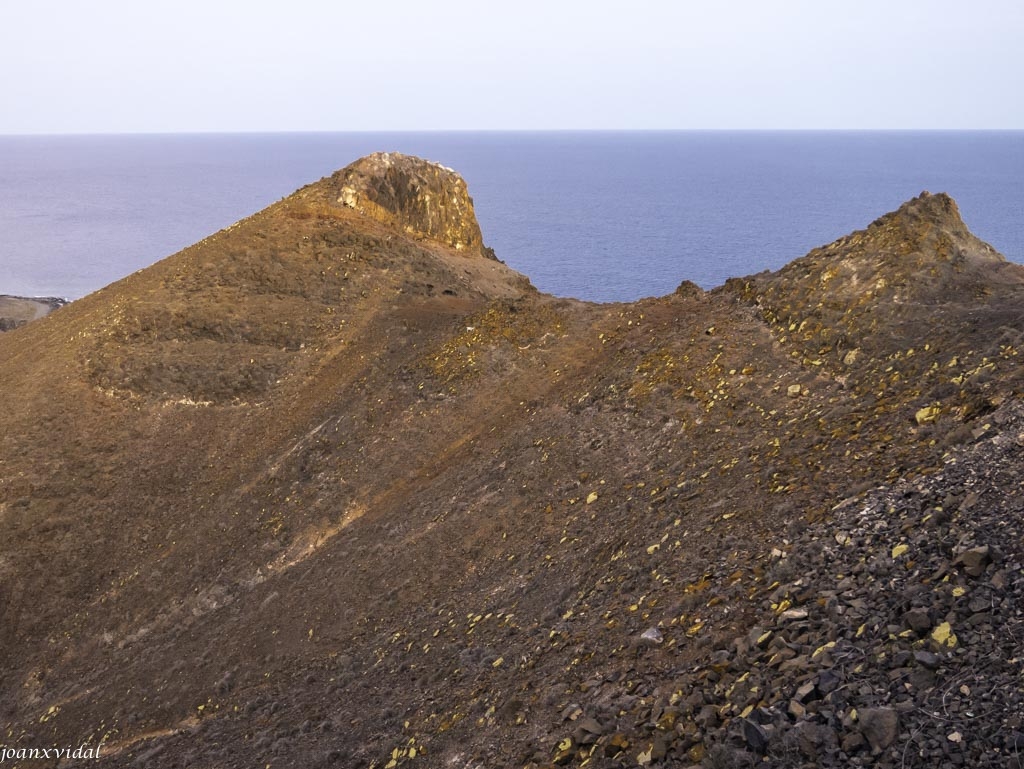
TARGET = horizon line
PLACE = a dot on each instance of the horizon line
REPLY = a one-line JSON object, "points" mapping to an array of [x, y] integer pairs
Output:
{"points": [[369, 131]]}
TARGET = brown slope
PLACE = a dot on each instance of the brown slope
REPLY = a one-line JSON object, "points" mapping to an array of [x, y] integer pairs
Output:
{"points": [[312, 491], [912, 313]]}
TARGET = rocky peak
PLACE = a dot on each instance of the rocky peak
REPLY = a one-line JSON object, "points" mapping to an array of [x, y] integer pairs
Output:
{"points": [[921, 252], [938, 208], [422, 198], [926, 212], [855, 305]]}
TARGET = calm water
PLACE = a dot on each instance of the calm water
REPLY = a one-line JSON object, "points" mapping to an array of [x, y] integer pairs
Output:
{"points": [[602, 216]]}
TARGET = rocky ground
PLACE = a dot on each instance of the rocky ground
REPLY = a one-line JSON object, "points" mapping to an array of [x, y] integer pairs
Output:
{"points": [[335, 488], [887, 635]]}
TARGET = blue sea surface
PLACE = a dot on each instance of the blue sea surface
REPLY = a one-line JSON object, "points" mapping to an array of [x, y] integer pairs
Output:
{"points": [[604, 216]]}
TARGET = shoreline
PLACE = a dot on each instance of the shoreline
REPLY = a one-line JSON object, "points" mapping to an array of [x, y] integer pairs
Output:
{"points": [[16, 311]]}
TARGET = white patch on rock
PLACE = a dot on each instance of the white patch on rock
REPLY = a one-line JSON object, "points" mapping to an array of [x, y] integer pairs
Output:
{"points": [[349, 197]]}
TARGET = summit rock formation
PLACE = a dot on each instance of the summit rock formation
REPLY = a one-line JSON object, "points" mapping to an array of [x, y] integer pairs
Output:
{"points": [[329, 488], [423, 199]]}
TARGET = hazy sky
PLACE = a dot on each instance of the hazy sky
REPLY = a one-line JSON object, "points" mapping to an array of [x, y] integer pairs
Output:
{"points": [[253, 65]]}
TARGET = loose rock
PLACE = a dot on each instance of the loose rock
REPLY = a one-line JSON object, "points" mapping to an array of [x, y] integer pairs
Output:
{"points": [[880, 727]]}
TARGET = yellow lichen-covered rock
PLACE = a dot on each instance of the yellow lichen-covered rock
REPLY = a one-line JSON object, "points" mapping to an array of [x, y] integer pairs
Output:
{"points": [[943, 635]]}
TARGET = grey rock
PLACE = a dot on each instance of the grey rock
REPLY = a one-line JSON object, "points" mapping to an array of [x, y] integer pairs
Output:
{"points": [[880, 727], [755, 736], [918, 620], [805, 693], [794, 614], [927, 659], [797, 710], [652, 636], [814, 740], [707, 718], [659, 748], [852, 742], [1014, 743], [978, 604], [587, 731], [1000, 579], [901, 658], [922, 678], [905, 706], [828, 681], [974, 560], [572, 712]]}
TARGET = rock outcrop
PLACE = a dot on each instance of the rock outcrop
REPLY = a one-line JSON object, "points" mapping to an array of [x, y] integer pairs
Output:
{"points": [[325, 490], [419, 197]]}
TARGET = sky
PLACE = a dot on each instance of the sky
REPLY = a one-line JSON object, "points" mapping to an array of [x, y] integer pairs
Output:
{"points": [[124, 66]]}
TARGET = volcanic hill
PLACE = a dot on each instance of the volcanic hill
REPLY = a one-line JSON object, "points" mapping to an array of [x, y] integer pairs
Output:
{"points": [[334, 487]]}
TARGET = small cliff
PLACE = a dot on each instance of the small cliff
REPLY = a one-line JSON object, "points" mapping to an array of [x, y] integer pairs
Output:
{"points": [[419, 197]]}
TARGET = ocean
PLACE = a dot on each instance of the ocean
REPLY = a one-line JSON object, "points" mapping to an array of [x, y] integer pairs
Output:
{"points": [[602, 216]]}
